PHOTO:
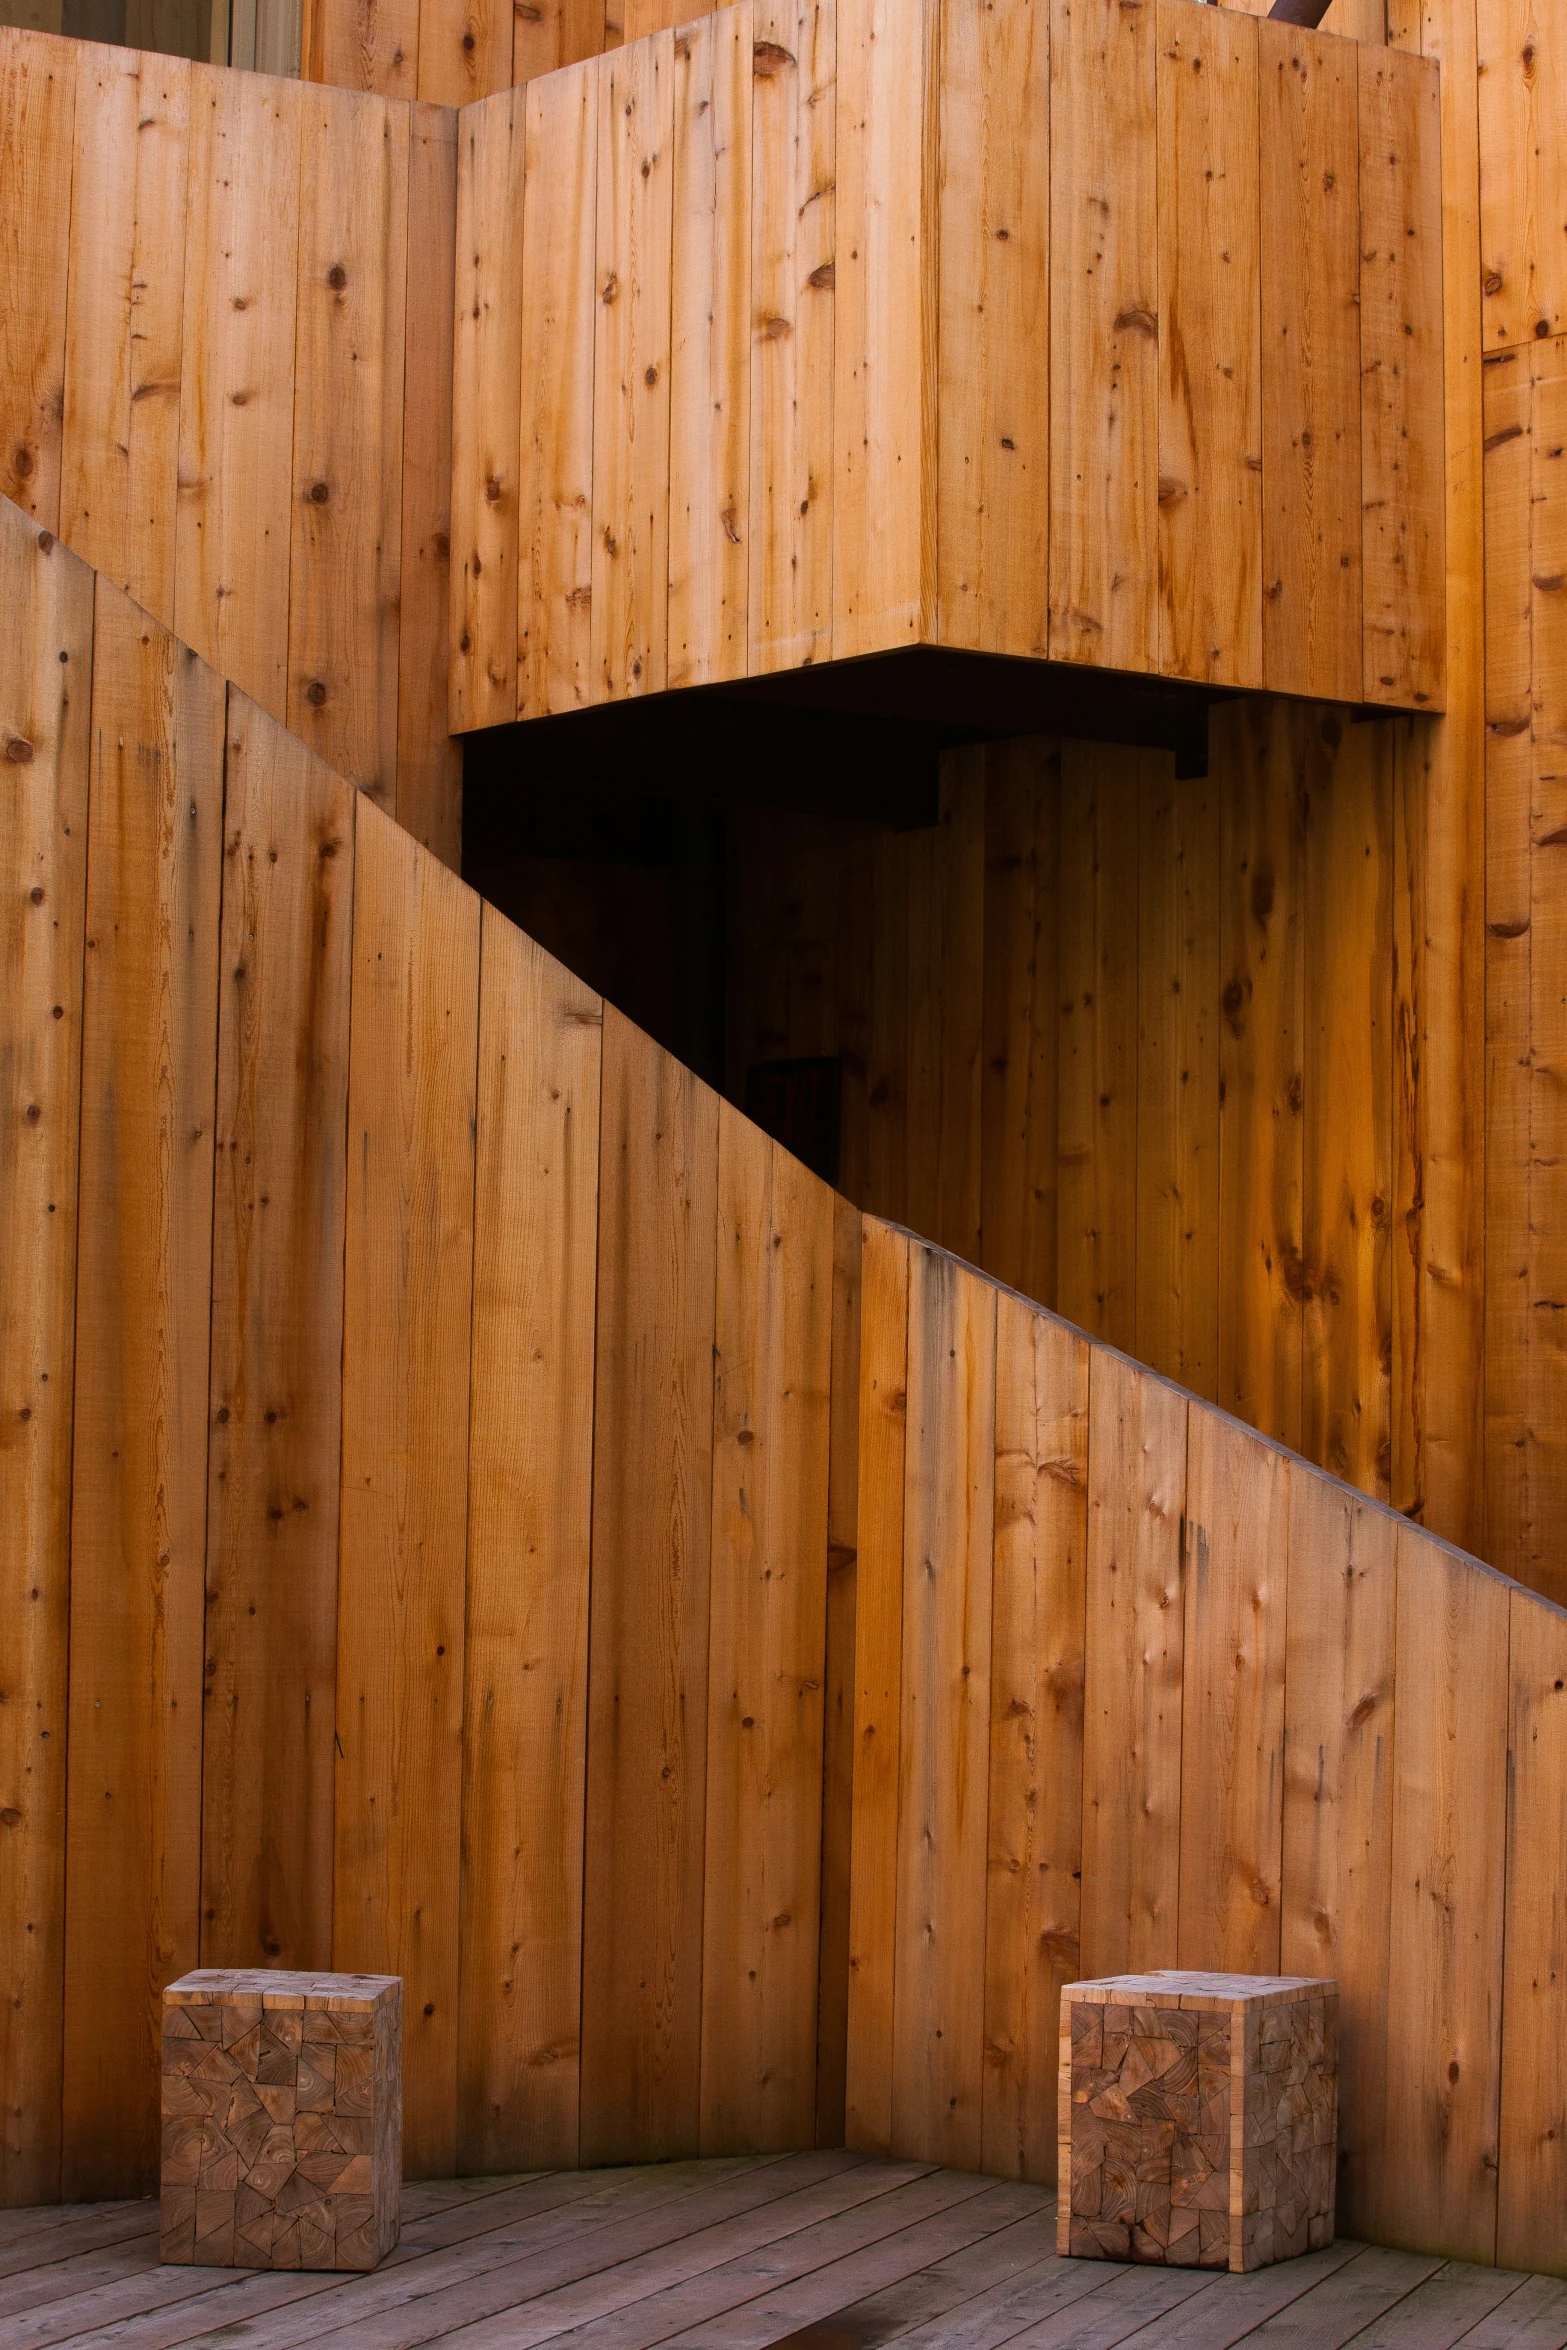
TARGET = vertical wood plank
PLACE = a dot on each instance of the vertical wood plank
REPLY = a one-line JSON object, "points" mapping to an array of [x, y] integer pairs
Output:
{"points": [[793, 204], [1132, 1730], [1177, 950], [993, 515], [1232, 1719], [1445, 1949], [636, 129], [884, 331], [1018, 1171], [1401, 346], [45, 690], [465, 50], [1511, 417], [138, 1486], [274, 1444], [37, 123], [1533, 2151], [346, 549], [1034, 1866], [886, 1140], [559, 305], [710, 350], [652, 1498], [119, 458], [843, 1499], [1096, 1261], [1523, 189], [1347, 1112], [948, 1536], [1338, 1803], [761, 1902], [1104, 335], [429, 764], [236, 411], [878, 1684], [1309, 149], [530, 1471], [946, 920], [363, 45], [1210, 360], [406, 1341], [486, 417], [1257, 766]]}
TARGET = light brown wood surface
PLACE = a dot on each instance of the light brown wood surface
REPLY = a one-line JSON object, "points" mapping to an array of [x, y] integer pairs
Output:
{"points": [[274, 1448], [406, 1342], [486, 414], [138, 1477], [530, 1469], [37, 123], [648, 1694], [45, 691]]}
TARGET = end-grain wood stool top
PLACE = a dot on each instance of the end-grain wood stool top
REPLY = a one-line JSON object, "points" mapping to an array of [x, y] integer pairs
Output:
{"points": [[282, 2119], [1199, 2118]]}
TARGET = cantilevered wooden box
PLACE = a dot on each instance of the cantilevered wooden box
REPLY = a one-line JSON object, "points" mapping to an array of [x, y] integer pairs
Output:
{"points": [[1056, 330], [1199, 2118], [282, 2119]]}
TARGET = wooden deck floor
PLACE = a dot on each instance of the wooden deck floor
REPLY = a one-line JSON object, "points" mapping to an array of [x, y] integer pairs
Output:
{"points": [[817, 2251]]}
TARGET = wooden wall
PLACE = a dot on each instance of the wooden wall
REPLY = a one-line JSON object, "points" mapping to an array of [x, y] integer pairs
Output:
{"points": [[1135, 1689], [786, 338], [429, 1456], [225, 381]]}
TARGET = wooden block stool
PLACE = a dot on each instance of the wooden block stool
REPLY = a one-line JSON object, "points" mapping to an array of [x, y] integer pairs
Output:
{"points": [[1199, 2118], [282, 2119]]}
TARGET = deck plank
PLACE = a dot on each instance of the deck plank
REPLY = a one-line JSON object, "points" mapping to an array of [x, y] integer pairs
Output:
{"points": [[1343, 2305]]}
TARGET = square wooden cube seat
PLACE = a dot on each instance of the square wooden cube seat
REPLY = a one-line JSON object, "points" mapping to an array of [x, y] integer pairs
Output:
{"points": [[282, 2119], [1198, 2118]]}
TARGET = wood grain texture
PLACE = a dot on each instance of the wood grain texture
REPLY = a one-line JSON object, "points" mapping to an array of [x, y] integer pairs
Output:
{"points": [[652, 1497], [348, 437], [530, 1471], [274, 1447], [843, 1504], [1523, 196], [885, 311], [1347, 1109], [486, 419], [1178, 1019], [1531, 2139], [1132, 1705], [878, 1692], [1338, 1802], [1309, 254], [1104, 336], [945, 1011], [465, 50], [1034, 1862], [138, 1487], [37, 125], [711, 335], [406, 1342], [236, 407], [363, 45], [993, 206], [1237, 1530], [1402, 487], [761, 1905], [1210, 361], [636, 137], [559, 306], [120, 449], [948, 1525], [1445, 1948], [429, 764], [1257, 764], [1096, 989], [45, 690], [792, 221]]}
